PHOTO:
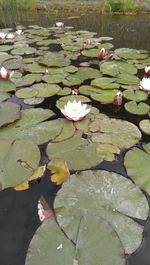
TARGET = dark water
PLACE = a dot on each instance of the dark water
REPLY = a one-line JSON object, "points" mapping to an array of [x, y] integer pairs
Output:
{"points": [[18, 210]]}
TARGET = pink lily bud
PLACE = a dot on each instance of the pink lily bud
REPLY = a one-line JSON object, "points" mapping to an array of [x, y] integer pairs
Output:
{"points": [[118, 99], [3, 73], [147, 70], [2, 35], [109, 57], [101, 53]]}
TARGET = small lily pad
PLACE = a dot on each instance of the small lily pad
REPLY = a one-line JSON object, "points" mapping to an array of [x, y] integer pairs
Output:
{"points": [[135, 95], [145, 126], [6, 85], [137, 108]]}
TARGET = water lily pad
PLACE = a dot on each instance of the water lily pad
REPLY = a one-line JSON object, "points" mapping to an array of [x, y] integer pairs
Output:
{"points": [[75, 147], [13, 63], [85, 73], [72, 81], [127, 53], [28, 80], [105, 83], [120, 133], [43, 248], [5, 48], [33, 101], [137, 163], [23, 50], [137, 108], [6, 85], [36, 68], [9, 113], [145, 126], [108, 151], [88, 90], [31, 127], [135, 95], [18, 160], [68, 131], [127, 79], [104, 96], [53, 59], [114, 68], [90, 53], [105, 194], [4, 96], [53, 79]]}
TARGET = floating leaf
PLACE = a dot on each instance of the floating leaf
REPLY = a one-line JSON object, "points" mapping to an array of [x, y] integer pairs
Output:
{"points": [[127, 53], [127, 79], [38, 173], [4, 96], [145, 126], [59, 171], [137, 163], [18, 160], [9, 112], [114, 68], [44, 249], [6, 85], [105, 83], [137, 109], [105, 194], [104, 96], [71, 150], [120, 133], [135, 95]]}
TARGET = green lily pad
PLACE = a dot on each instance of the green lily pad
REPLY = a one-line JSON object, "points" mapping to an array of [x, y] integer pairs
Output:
{"points": [[75, 147], [18, 160], [53, 59], [23, 50], [9, 113], [104, 96], [105, 83], [135, 95], [13, 63], [43, 248], [64, 92], [105, 194], [127, 53], [72, 81], [33, 101], [28, 80], [90, 53], [4, 96], [114, 68], [85, 73], [120, 133], [31, 127], [108, 151], [145, 126], [53, 79], [68, 131], [137, 163], [5, 48], [127, 79], [36, 68], [137, 108], [6, 85]]}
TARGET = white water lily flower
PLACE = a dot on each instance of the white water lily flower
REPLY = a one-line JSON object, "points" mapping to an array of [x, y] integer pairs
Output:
{"points": [[75, 111], [145, 84], [147, 70], [19, 32], [2, 35], [4, 73], [59, 24], [10, 36]]}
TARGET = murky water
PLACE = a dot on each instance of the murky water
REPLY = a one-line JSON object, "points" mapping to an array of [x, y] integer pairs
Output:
{"points": [[18, 210]]}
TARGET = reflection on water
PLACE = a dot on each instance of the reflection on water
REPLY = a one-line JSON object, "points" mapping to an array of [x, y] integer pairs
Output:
{"points": [[127, 31]]}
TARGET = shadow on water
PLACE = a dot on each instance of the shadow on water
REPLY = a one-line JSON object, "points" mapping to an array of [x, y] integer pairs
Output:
{"points": [[18, 210]]}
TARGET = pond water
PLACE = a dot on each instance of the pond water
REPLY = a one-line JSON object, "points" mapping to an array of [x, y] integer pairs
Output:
{"points": [[18, 210]]}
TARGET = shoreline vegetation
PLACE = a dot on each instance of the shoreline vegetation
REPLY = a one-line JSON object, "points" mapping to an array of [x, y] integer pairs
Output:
{"points": [[77, 7]]}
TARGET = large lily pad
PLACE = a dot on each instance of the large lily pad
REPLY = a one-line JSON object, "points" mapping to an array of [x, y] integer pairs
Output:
{"points": [[104, 96], [49, 244], [9, 113], [137, 163], [106, 194], [105, 83], [71, 150], [6, 85], [31, 127], [127, 79], [122, 134], [127, 53], [4, 96], [114, 68], [53, 59], [18, 160]]}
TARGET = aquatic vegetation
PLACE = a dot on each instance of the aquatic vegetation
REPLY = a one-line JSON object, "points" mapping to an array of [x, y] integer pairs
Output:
{"points": [[96, 88]]}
